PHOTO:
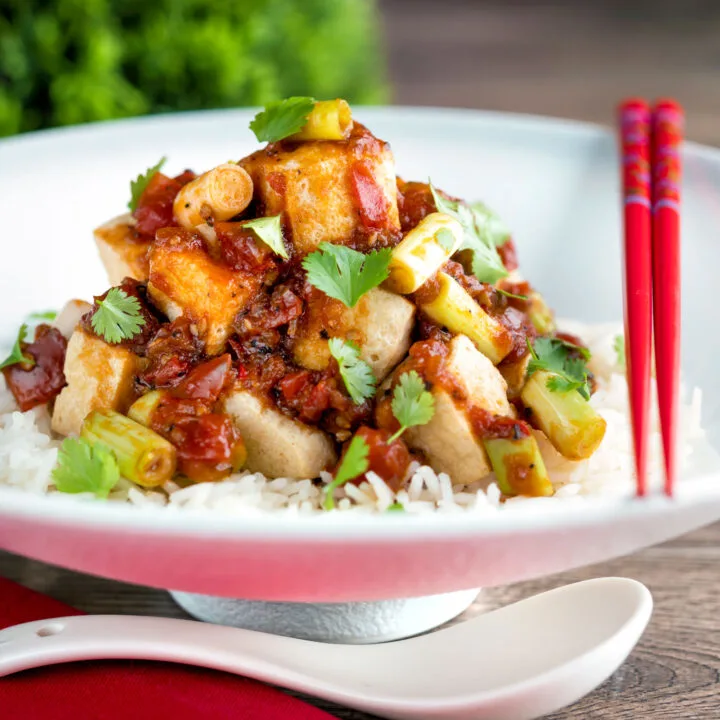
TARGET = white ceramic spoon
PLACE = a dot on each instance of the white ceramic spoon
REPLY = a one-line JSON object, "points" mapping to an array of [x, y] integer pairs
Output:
{"points": [[516, 663]]}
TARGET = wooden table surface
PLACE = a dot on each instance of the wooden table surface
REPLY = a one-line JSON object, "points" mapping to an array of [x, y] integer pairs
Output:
{"points": [[561, 59]]}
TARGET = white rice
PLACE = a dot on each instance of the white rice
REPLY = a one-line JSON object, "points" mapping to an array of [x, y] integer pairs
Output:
{"points": [[28, 453]]}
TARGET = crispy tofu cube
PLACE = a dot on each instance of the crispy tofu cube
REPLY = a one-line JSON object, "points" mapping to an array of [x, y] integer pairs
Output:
{"points": [[69, 317], [99, 376], [380, 324], [122, 251], [329, 191], [185, 280], [448, 440], [278, 446]]}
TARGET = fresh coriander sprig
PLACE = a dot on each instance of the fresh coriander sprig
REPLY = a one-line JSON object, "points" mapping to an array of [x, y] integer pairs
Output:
{"points": [[412, 404], [85, 468], [355, 462], [554, 356], [346, 274], [511, 295], [17, 355], [480, 237], [489, 224], [356, 373], [118, 317], [282, 118], [269, 230], [47, 315], [619, 348], [137, 186]]}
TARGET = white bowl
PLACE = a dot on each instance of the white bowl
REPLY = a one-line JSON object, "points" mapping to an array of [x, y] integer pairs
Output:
{"points": [[555, 183]]}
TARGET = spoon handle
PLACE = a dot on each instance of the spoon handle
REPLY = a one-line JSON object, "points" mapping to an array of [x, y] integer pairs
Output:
{"points": [[105, 637]]}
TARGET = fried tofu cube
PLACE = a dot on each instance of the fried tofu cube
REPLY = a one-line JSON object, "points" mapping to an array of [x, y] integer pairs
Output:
{"points": [[329, 191], [380, 325], [99, 377], [122, 251], [185, 280], [448, 440], [278, 446]]}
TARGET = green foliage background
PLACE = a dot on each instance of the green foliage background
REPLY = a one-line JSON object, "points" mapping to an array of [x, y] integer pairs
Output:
{"points": [[70, 61]]}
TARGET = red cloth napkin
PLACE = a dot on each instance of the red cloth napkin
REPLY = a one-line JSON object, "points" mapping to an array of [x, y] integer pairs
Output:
{"points": [[123, 690]]}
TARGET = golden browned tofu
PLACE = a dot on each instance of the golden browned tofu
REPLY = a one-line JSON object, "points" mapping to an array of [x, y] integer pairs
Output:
{"points": [[122, 252], [185, 280], [330, 191], [380, 325], [99, 376], [448, 440], [278, 446]]}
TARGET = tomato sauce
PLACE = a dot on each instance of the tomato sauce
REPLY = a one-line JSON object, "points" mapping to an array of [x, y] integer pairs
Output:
{"points": [[389, 460], [169, 355], [208, 446], [40, 383], [155, 205], [370, 200], [240, 250], [415, 202]]}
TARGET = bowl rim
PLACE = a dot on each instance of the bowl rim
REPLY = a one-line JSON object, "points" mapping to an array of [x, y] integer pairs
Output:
{"points": [[281, 527]]}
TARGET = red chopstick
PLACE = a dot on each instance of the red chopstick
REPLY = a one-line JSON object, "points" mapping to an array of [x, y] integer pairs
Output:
{"points": [[635, 141], [667, 132]]}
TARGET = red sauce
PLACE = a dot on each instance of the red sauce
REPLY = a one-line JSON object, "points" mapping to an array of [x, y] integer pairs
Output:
{"points": [[508, 255], [240, 250], [42, 382], [155, 206], [208, 447], [271, 311], [521, 330], [207, 443], [206, 381], [278, 182], [170, 354], [389, 461], [415, 201], [372, 205], [487, 425]]}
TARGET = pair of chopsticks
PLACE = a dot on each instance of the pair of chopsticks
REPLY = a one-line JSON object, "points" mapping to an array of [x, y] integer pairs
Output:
{"points": [[651, 170]]}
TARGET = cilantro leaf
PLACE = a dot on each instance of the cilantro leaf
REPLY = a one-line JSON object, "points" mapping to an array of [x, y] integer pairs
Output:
{"points": [[445, 239], [282, 118], [84, 467], [49, 315], [17, 354], [355, 462], [137, 186], [619, 347], [553, 355], [269, 230], [412, 404], [395, 507], [118, 317], [511, 295], [487, 266], [490, 224], [346, 274], [356, 373]]}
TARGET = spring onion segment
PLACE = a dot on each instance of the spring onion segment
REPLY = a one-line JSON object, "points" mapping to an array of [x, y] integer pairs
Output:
{"points": [[423, 251], [570, 422], [142, 409], [518, 466], [143, 456], [328, 120], [456, 310]]}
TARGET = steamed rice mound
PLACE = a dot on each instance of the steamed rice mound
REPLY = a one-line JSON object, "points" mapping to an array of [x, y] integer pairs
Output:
{"points": [[28, 454]]}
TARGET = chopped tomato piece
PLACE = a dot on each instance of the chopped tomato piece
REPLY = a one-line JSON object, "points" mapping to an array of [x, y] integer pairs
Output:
{"points": [[45, 379]]}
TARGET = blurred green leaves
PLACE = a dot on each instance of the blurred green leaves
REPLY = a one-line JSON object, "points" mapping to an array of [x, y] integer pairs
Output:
{"points": [[71, 61]]}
